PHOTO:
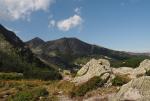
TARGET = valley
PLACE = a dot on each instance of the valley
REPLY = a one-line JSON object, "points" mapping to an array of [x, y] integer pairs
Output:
{"points": [[66, 69]]}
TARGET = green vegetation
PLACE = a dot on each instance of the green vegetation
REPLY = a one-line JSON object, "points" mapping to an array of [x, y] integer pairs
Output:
{"points": [[11, 76], [130, 62], [120, 80], [65, 86], [29, 95], [34, 90], [25, 90], [22, 96], [148, 73], [92, 84], [13, 63], [16, 58]]}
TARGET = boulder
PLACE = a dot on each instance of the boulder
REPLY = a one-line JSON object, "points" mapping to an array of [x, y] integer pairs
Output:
{"points": [[136, 90], [130, 72], [102, 68], [145, 64], [124, 71], [93, 68], [133, 73]]}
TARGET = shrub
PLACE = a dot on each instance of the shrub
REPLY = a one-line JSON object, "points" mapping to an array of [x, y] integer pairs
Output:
{"points": [[65, 86], [130, 62], [148, 73], [22, 96], [81, 90], [11, 76], [41, 74], [120, 80], [40, 91], [30, 95]]}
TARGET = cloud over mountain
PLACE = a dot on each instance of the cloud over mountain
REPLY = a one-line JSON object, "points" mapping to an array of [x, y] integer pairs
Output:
{"points": [[69, 23], [21, 9]]}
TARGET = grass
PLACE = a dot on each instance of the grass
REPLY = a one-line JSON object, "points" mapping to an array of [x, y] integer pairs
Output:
{"points": [[92, 84], [24, 90], [11, 76], [120, 80], [33, 90]]}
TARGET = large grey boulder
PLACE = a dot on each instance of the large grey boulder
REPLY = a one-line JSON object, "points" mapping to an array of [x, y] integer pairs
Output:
{"points": [[133, 73], [93, 68], [136, 90], [145, 64], [130, 72]]}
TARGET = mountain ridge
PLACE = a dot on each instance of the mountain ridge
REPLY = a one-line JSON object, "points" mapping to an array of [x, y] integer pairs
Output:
{"points": [[15, 56], [70, 50]]}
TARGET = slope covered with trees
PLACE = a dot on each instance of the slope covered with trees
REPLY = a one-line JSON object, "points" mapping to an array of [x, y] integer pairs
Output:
{"points": [[16, 57]]}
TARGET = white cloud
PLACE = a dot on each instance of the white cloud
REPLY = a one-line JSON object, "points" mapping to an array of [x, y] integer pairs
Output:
{"points": [[52, 23], [21, 9], [69, 23], [77, 10]]}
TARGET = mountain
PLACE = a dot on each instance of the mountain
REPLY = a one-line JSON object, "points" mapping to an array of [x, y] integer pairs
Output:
{"points": [[35, 42], [71, 52], [15, 56], [144, 54], [73, 46]]}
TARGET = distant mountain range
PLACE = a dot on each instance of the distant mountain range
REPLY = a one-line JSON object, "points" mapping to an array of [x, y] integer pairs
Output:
{"points": [[73, 47], [145, 54], [71, 52], [16, 57]]}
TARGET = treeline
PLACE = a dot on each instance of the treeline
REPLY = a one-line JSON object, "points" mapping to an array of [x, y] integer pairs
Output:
{"points": [[130, 62], [12, 62]]}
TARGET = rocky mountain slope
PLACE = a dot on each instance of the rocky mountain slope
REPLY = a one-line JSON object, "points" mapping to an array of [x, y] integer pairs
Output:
{"points": [[16, 57], [74, 47], [72, 52]]}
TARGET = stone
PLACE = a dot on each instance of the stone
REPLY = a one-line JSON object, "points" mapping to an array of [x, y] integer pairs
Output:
{"points": [[93, 68], [145, 64], [136, 90], [124, 71], [133, 73]]}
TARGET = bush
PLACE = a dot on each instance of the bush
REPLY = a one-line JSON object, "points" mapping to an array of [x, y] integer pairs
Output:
{"points": [[120, 80], [148, 73], [11, 76], [130, 62], [30, 95], [40, 91], [65, 86], [81, 90], [36, 73], [22, 96]]}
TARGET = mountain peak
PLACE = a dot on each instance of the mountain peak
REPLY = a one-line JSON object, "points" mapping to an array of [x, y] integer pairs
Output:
{"points": [[11, 37], [67, 39], [35, 42], [37, 39]]}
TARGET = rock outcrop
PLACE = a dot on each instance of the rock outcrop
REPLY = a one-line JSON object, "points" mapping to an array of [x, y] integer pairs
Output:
{"points": [[136, 90], [145, 65], [133, 73], [102, 68], [94, 68]]}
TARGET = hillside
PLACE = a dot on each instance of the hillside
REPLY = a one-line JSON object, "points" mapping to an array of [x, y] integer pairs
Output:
{"points": [[74, 46], [72, 52], [16, 57]]}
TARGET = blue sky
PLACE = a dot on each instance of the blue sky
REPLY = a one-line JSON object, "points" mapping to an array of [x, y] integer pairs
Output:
{"points": [[115, 24]]}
